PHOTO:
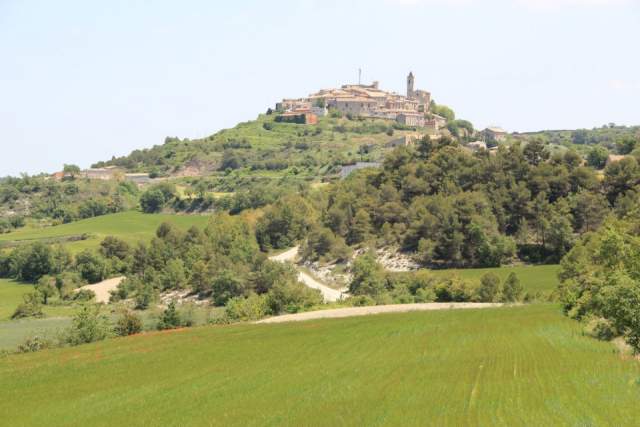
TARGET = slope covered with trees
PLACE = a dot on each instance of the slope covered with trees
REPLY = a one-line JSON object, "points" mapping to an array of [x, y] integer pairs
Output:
{"points": [[453, 208]]}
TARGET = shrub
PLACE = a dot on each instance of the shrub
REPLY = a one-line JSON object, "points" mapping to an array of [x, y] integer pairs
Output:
{"points": [[145, 295], [46, 288], [253, 307], [226, 286], [512, 289], [67, 283], [91, 266], [291, 297], [114, 247], [152, 201], [601, 329], [129, 323], [361, 301], [489, 288], [84, 295], [88, 325], [367, 276], [30, 307], [170, 318], [454, 289], [33, 344]]}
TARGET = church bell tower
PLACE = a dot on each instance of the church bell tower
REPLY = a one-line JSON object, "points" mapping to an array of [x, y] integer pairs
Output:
{"points": [[410, 82]]}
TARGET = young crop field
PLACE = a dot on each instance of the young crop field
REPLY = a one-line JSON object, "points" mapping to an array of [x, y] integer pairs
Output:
{"points": [[510, 366], [535, 279], [131, 226]]}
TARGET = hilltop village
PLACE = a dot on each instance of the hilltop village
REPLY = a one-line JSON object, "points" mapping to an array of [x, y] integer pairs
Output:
{"points": [[366, 119], [412, 109]]}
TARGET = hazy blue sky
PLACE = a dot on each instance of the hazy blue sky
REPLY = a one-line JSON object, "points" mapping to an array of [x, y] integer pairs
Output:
{"points": [[81, 81]]}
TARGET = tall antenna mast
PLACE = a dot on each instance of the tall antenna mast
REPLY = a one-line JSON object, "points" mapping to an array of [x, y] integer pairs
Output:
{"points": [[359, 76]]}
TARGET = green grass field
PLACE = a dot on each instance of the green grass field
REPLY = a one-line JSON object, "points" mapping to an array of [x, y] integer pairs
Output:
{"points": [[11, 293], [539, 278], [132, 226], [513, 366]]}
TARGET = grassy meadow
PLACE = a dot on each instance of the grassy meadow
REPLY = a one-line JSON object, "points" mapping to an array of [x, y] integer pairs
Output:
{"points": [[131, 226], [512, 366], [535, 279], [11, 293]]}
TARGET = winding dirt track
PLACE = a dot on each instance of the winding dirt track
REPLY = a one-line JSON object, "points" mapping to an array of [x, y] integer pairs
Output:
{"points": [[376, 309], [329, 294]]}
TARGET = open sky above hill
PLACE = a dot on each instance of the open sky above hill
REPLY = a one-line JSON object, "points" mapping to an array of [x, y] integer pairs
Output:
{"points": [[82, 81]]}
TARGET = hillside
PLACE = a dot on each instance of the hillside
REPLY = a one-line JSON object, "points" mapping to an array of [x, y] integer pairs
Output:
{"points": [[264, 149], [514, 366]]}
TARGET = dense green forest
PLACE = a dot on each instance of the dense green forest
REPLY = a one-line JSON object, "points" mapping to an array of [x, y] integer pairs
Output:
{"points": [[453, 208]]}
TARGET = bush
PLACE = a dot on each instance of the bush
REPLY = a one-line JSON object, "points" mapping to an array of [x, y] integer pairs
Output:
{"points": [[30, 307], [145, 295], [368, 277], [454, 289], [170, 318], [88, 325], [489, 289], [46, 288], [84, 295], [240, 309], [512, 289], [67, 283], [152, 201], [33, 344], [114, 247], [292, 297], [601, 329], [129, 323], [226, 286], [361, 301], [92, 267]]}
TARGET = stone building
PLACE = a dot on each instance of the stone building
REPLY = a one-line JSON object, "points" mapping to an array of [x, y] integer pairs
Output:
{"points": [[368, 101], [411, 118], [494, 134], [405, 140]]}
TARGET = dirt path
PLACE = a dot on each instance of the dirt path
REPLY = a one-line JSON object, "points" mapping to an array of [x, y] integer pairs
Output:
{"points": [[102, 289], [329, 294], [377, 309]]}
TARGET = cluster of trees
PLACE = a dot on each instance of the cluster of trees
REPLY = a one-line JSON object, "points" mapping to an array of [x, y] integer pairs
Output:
{"points": [[454, 208], [372, 285], [600, 280], [622, 139], [222, 262], [57, 274], [63, 201]]}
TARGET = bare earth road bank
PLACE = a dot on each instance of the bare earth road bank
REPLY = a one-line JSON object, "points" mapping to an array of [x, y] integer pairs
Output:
{"points": [[377, 309], [102, 289], [329, 294]]}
